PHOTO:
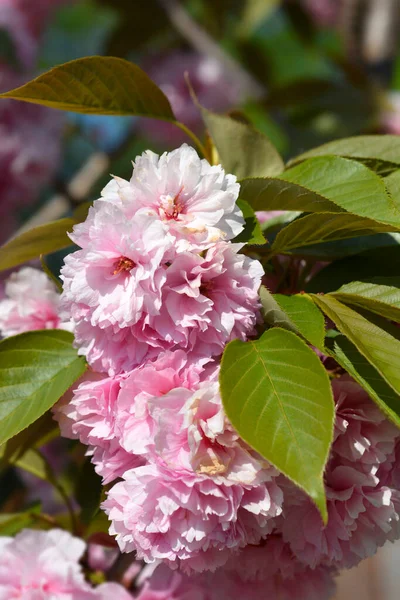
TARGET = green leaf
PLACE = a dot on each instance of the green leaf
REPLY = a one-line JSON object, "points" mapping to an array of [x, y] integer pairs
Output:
{"points": [[348, 357], [392, 183], [294, 313], [43, 239], [337, 249], [380, 348], [273, 314], [36, 368], [378, 147], [348, 184], [276, 194], [277, 395], [88, 491], [252, 232], [324, 227], [243, 150], [308, 320], [380, 299], [12, 523], [97, 85]]}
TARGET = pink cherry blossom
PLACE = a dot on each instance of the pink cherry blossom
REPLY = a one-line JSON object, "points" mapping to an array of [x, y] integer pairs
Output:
{"points": [[363, 514], [274, 572], [32, 302], [255, 573], [170, 379], [43, 565], [362, 432], [90, 417], [130, 297], [363, 500], [188, 518], [195, 201], [184, 427]]}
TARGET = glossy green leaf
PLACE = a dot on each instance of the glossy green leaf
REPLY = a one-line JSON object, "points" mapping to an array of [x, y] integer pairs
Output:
{"points": [[307, 318], [380, 348], [97, 85], [252, 232], [243, 150], [324, 227], [43, 239], [380, 299], [277, 395], [276, 194], [392, 183], [379, 147], [273, 314], [348, 184], [36, 368], [348, 357]]}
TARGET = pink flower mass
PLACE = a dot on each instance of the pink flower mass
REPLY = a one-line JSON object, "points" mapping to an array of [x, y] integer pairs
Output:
{"points": [[44, 565], [31, 302], [363, 505], [156, 270], [155, 291]]}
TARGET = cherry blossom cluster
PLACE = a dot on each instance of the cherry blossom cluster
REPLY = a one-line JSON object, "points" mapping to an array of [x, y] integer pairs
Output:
{"points": [[154, 294], [156, 290]]}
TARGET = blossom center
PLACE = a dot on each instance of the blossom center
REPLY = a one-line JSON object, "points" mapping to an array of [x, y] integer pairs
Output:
{"points": [[123, 264], [172, 206], [206, 287]]}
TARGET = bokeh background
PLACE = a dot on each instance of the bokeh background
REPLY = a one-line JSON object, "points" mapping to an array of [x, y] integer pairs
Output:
{"points": [[302, 71]]}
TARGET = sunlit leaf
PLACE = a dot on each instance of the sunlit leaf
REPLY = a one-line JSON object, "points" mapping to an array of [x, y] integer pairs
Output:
{"points": [[381, 299], [347, 355], [308, 320], [36, 368], [379, 147], [380, 348], [325, 227], [243, 151], [277, 395], [348, 184], [97, 85], [43, 239]]}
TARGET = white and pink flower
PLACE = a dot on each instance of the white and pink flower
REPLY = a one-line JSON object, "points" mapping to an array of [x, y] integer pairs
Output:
{"points": [[31, 302], [44, 565]]}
